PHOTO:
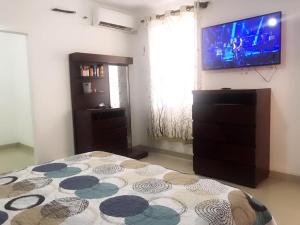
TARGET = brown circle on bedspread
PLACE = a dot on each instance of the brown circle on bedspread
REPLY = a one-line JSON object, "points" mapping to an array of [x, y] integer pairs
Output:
{"points": [[241, 210], [9, 192], [133, 164], [180, 179], [100, 154], [34, 217]]}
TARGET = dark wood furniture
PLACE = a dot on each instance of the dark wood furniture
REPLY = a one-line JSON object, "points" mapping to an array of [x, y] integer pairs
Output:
{"points": [[101, 130], [231, 130], [94, 128]]}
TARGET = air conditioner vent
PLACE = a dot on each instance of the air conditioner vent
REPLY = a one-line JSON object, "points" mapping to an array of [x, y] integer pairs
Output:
{"points": [[114, 19], [119, 27]]}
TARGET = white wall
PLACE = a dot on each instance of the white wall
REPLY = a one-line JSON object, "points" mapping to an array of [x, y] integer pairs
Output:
{"points": [[51, 37], [285, 121], [15, 114], [7, 108]]}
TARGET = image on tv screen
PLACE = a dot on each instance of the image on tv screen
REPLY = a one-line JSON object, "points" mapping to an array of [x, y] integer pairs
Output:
{"points": [[250, 42]]}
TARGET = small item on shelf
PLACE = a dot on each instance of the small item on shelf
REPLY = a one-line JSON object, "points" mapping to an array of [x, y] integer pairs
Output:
{"points": [[101, 71], [81, 71], [91, 71], [86, 71], [101, 105], [98, 71], [95, 70], [87, 87]]}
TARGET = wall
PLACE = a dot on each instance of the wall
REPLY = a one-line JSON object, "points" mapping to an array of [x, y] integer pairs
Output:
{"points": [[285, 121], [51, 37], [7, 108], [16, 115]]}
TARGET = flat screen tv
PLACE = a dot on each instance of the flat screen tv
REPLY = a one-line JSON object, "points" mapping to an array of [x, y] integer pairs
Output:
{"points": [[254, 41]]}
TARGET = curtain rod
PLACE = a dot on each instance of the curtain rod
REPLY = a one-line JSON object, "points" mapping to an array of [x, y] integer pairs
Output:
{"points": [[202, 5]]}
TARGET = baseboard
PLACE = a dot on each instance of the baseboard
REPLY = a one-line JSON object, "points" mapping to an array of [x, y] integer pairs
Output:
{"points": [[284, 176], [12, 145], [25, 146], [166, 152], [15, 145]]}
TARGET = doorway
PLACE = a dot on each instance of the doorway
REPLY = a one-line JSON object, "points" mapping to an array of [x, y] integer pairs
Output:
{"points": [[16, 129]]}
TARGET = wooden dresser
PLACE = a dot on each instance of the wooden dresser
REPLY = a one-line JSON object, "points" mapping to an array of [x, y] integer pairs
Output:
{"points": [[101, 129], [231, 130]]}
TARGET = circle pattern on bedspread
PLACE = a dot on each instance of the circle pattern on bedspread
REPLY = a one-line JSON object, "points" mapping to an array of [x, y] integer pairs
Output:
{"points": [[169, 202], [215, 212], [158, 215], [151, 186], [180, 178], [100, 190], [133, 164], [108, 169], [150, 170], [65, 172], [7, 180], [3, 217], [209, 186], [49, 167], [64, 207], [124, 206], [32, 183], [100, 154], [33, 216], [24, 202], [79, 182], [77, 158]]}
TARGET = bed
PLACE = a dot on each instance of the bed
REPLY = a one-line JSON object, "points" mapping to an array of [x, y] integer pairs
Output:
{"points": [[103, 188]]}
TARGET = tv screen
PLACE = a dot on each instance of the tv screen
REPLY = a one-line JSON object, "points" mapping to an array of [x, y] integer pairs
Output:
{"points": [[254, 41]]}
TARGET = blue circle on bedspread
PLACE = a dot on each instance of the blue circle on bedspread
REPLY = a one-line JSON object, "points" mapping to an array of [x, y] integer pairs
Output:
{"points": [[49, 167], [79, 182], [124, 206], [101, 190], [156, 214], [3, 217], [65, 172]]}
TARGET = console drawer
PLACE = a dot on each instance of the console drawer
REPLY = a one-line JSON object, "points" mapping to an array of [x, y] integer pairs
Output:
{"points": [[242, 135], [228, 152], [225, 114], [232, 172]]}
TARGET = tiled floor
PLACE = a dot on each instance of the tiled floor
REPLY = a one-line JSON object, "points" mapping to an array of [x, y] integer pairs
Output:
{"points": [[15, 158], [281, 196]]}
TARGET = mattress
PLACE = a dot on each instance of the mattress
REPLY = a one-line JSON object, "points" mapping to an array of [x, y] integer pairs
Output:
{"points": [[103, 188]]}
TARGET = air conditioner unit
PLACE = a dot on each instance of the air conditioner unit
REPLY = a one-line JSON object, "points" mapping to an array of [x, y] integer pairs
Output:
{"points": [[113, 19]]}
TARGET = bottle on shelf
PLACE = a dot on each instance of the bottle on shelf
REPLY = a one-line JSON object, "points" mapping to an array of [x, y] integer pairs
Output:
{"points": [[101, 71], [91, 71]]}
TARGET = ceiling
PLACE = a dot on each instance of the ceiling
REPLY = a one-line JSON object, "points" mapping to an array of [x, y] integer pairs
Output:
{"points": [[135, 4]]}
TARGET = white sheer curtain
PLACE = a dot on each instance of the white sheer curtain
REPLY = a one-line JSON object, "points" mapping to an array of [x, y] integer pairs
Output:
{"points": [[173, 66]]}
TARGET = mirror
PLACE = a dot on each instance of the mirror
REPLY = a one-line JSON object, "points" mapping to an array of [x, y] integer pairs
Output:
{"points": [[120, 93]]}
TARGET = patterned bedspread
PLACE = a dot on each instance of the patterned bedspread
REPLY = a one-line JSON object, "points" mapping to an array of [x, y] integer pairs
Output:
{"points": [[102, 188]]}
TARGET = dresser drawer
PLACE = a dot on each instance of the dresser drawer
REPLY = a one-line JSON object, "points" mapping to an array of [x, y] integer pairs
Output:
{"points": [[110, 123], [242, 135], [228, 152], [225, 113], [232, 172], [225, 97]]}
